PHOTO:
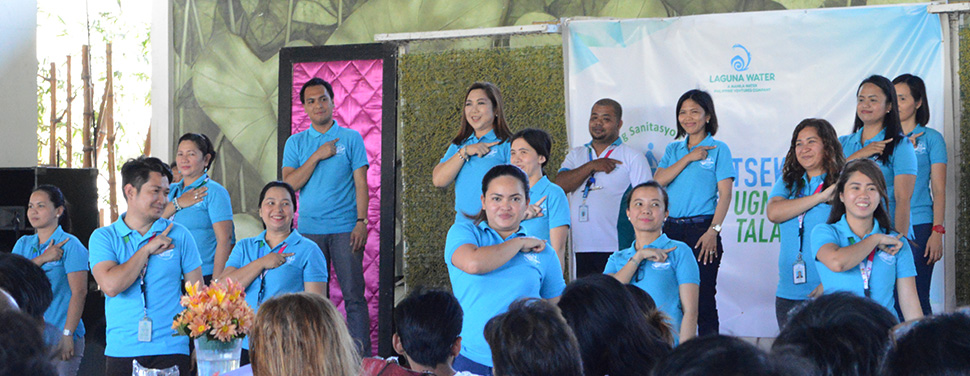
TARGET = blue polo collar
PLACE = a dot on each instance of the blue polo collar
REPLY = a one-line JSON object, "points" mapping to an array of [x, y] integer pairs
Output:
{"points": [[330, 132], [484, 226]]}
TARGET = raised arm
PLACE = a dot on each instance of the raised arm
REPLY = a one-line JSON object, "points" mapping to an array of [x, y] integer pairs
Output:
{"points": [[666, 175], [297, 177], [781, 209], [114, 278], [472, 259]]}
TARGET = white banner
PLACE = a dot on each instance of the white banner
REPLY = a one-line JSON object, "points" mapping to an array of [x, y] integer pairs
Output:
{"points": [[766, 72]]}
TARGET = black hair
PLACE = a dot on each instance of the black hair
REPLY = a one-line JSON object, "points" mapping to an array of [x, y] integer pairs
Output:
{"points": [[704, 100], [614, 336], [650, 183], [871, 170], [499, 125], [57, 197], [531, 338], [833, 159], [716, 355], [500, 170], [26, 283], [316, 81], [933, 346], [428, 322], [609, 102], [204, 145], [136, 171], [918, 90], [842, 334], [655, 317], [890, 124], [539, 140], [22, 348], [282, 184]]}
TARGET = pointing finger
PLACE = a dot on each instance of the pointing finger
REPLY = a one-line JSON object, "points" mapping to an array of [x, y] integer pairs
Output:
{"points": [[493, 143], [541, 200], [287, 254], [61, 244], [709, 147], [167, 229], [668, 250]]}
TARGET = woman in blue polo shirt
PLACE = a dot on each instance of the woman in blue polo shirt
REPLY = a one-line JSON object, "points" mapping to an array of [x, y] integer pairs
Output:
{"points": [[927, 211], [877, 135], [279, 260], [201, 204], [65, 261], [548, 211], [858, 251], [800, 201], [482, 142], [662, 267], [698, 172], [492, 261]]}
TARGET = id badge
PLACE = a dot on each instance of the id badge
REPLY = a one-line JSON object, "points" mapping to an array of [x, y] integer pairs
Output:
{"points": [[798, 272], [145, 329], [584, 213]]}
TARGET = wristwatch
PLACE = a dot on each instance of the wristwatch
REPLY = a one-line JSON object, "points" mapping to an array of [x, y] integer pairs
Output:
{"points": [[67, 332], [939, 229], [366, 222], [716, 228]]}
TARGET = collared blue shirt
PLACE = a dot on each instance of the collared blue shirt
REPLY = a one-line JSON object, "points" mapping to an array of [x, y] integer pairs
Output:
{"points": [[215, 207], [328, 201], [902, 162], [74, 259], [661, 280], [306, 265], [886, 268], [483, 296], [694, 191], [787, 289], [163, 281], [555, 209], [929, 149], [468, 183]]}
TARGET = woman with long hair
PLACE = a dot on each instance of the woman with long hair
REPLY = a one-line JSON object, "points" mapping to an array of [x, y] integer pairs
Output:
{"points": [[858, 250], [878, 135], [547, 216], [698, 171], [492, 262], [65, 261], [201, 204], [927, 211], [800, 201], [662, 267], [482, 142]]}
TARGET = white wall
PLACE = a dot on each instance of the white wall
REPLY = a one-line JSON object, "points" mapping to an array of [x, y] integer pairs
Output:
{"points": [[162, 52], [18, 83]]}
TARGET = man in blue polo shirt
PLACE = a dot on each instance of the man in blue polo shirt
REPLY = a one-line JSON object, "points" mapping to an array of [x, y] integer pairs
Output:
{"points": [[327, 163], [140, 262]]}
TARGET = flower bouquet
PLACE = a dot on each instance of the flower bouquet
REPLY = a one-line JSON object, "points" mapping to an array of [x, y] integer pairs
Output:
{"points": [[216, 317]]}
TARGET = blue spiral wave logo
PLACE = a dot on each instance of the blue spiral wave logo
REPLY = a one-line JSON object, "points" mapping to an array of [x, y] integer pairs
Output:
{"points": [[740, 63]]}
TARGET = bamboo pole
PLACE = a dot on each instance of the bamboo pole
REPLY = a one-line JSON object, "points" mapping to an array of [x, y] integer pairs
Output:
{"points": [[108, 117], [70, 98], [88, 105], [148, 141], [52, 157]]}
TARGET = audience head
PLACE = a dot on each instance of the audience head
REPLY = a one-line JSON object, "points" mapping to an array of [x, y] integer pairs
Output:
{"points": [[22, 348], [483, 110], [814, 145], [933, 346], [655, 317], [502, 185], [613, 334], [302, 333], [26, 283], [840, 333], [716, 355], [49, 207], [531, 338], [911, 98], [696, 108], [428, 326]]}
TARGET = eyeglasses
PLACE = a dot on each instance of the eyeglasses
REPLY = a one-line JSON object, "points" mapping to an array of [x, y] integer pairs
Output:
{"points": [[641, 271]]}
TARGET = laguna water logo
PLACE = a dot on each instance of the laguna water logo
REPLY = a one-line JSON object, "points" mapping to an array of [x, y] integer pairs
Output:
{"points": [[738, 62]]}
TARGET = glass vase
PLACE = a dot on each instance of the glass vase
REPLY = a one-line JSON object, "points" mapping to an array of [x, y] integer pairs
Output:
{"points": [[216, 356]]}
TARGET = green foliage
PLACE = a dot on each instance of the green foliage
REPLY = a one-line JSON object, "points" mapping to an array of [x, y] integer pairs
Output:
{"points": [[432, 88], [962, 256]]}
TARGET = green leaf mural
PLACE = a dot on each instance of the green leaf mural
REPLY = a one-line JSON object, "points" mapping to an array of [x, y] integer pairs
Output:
{"points": [[689, 7], [634, 9], [399, 16], [320, 12]]}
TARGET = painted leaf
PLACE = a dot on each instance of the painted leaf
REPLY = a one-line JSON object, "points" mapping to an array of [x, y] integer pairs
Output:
{"points": [[399, 16], [634, 9], [689, 7], [320, 12], [802, 4], [523, 7], [249, 5], [533, 17], [574, 8], [267, 26]]}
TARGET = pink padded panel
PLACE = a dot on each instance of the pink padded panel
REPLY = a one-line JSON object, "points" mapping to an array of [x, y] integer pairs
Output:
{"points": [[357, 88]]}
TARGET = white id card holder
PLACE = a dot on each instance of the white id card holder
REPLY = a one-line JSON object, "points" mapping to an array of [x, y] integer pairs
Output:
{"points": [[584, 213], [798, 271], [145, 329]]}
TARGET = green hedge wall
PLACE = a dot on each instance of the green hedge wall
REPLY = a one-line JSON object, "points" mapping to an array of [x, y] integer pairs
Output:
{"points": [[962, 211], [432, 88]]}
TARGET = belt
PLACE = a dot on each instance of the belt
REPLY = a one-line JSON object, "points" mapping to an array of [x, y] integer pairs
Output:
{"points": [[697, 219]]}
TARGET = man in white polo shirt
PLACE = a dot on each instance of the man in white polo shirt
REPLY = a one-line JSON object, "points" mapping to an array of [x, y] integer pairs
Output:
{"points": [[595, 176]]}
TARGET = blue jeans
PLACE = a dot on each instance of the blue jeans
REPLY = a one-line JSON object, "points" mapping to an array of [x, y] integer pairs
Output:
{"points": [[348, 267], [924, 273], [462, 363], [707, 320]]}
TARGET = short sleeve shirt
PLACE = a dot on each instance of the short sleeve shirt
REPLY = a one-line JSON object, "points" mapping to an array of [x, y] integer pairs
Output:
{"points": [[902, 162], [694, 191], [163, 287], [483, 296], [930, 149], [792, 245], [215, 207], [555, 209], [468, 183], [328, 201]]}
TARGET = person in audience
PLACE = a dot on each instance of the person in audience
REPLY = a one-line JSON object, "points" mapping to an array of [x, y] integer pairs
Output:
{"points": [[65, 262], [428, 324], [279, 260], [800, 201], [717, 355], [698, 171], [493, 261], [300, 334], [840, 334], [532, 338], [613, 334], [548, 212], [22, 349], [928, 204], [655, 317], [878, 135], [482, 142], [858, 250], [7, 301], [27, 285], [662, 267], [201, 204], [933, 346]]}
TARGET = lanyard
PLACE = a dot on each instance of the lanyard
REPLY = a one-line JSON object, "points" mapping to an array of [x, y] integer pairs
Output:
{"points": [[262, 277], [801, 217], [592, 177], [865, 268], [141, 276]]}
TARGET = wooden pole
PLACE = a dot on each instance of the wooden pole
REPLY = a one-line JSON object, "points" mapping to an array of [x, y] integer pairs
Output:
{"points": [[88, 105], [148, 141], [108, 117], [52, 160], [70, 98]]}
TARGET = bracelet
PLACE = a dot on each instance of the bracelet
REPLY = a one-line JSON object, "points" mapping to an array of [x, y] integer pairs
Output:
{"points": [[175, 203], [939, 229], [462, 155]]}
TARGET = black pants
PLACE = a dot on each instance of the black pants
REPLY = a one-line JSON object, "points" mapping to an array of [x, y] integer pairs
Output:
{"points": [[707, 321], [122, 366], [591, 263], [782, 308]]}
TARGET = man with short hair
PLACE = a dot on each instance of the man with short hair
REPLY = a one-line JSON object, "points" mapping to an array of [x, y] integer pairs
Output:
{"points": [[428, 326], [327, 164], [595, 176], [140, 262]]}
